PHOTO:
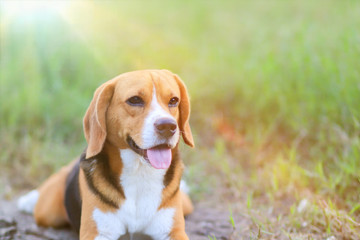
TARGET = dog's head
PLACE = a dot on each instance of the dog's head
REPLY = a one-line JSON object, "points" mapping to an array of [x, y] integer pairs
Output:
{"points": [[145, 111]]}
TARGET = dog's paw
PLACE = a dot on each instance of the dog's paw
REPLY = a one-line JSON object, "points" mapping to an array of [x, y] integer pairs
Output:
{"points": [[27, 202]]}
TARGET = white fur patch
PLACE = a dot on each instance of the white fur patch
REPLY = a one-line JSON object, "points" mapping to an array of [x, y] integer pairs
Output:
{"points": [[27, 202], [149, 135], [143, 186], [184, 187]]}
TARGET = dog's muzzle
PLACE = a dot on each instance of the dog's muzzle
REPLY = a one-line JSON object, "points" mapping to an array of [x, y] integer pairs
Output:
{"points": [[159, 156]]}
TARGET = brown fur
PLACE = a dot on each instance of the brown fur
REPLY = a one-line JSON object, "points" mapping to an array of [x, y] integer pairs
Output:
{"points": [[107, 123], [50, 210]]}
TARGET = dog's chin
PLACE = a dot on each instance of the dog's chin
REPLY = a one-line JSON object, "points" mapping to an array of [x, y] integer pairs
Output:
{"points": [[158, 156]]}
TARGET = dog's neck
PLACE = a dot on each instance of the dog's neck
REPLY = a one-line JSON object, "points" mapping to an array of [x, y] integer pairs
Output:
{"points": [[114, 159], [112, 164]]}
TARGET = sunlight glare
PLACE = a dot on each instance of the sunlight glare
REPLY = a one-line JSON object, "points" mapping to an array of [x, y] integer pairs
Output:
{"points": [[33, 7]]}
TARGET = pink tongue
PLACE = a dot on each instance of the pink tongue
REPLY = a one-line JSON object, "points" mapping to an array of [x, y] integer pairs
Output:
{"points": [[159, 158]]}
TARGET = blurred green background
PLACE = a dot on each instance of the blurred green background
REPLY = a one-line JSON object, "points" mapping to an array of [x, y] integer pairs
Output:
{"points": [[275, 90]]}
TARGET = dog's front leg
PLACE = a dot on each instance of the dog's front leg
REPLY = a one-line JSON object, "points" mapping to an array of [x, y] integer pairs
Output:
{"points": [[101, 226], [101, 237], [178, 230], [181, 235], [98, 234]]}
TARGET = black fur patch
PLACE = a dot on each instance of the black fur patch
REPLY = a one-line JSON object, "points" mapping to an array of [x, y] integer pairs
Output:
{"points": [[169, 176], [72, 198], [100, 164]]}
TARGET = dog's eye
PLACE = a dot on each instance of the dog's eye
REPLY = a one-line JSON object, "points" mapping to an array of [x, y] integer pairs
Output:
{"points": [[173, 102], [135, 101]]}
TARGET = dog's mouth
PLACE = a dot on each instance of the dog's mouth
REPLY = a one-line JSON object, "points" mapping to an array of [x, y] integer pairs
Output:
{"points": [[158, 156]]}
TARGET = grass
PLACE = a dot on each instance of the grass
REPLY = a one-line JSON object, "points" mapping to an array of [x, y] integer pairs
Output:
{"points": [[275, 100]]}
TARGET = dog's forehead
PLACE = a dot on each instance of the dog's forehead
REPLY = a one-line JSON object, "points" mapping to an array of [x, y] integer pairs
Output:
{"points": [[165, 84], [143, 83]]}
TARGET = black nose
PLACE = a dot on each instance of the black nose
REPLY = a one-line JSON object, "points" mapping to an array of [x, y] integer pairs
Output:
{"points": [[166, 127]]}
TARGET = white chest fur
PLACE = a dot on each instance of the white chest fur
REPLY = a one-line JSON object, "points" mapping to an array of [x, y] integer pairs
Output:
{"points": [[142, 185]]}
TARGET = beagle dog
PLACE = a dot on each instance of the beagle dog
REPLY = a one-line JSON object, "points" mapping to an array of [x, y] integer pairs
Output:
{"points": [[126, 184]]}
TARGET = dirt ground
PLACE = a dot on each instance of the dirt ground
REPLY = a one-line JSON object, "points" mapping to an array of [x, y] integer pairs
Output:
{"points": [[206, 221]]}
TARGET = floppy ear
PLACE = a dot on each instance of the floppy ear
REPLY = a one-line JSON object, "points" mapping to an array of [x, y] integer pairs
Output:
{"points": [[95, 119], [184, 113]]}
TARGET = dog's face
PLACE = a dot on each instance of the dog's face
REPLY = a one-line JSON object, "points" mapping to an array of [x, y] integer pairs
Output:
{"points": [[145, 111]]}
